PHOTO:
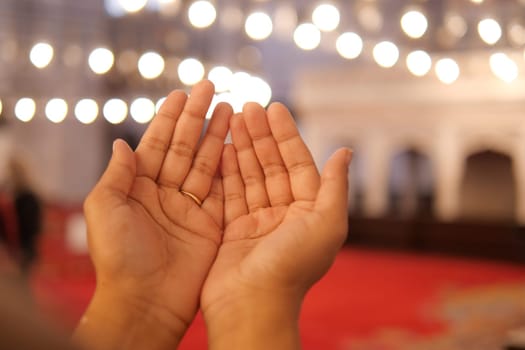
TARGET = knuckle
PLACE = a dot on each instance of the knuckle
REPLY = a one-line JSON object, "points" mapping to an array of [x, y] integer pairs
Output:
{"points": [[155, 143], [203, 166], [272, 170], [181, 149]]}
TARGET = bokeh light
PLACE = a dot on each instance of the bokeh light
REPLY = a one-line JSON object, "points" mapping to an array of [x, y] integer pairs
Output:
{"points": [[414, 24], [41, 55], [25, 109], [132, 6], [349, 45], [101, 60], [326, 17], [419, 63], [447, 70], [56, 110], [258, 26], [190, 71], [202, 14], [86, 111], [456, 25], [489, 31], [221, 77], [142, 110], [307, 36], [115, 111], [503, 67], [386, 54], [151, 65]]}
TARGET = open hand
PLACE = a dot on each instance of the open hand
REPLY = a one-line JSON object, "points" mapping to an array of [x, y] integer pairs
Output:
{"points": [[283, 222], [153, 244]]}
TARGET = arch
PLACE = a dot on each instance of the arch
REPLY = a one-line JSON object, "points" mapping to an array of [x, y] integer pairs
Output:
{"points": [[475, 144], [411, 184], [488, 187]]}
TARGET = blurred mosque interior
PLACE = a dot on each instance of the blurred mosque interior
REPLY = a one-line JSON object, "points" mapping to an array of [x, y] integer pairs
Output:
{"points": [[429, 94]]}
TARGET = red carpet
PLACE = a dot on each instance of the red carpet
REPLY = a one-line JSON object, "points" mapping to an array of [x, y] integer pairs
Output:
{"points": [[369, 300]]}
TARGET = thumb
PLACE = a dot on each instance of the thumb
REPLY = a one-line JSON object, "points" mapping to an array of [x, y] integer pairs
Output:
{"points": [[120, 172], [332, 197]]}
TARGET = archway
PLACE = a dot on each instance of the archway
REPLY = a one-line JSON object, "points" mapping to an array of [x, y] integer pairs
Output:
{"points": [[410, 184], [487, 189]]}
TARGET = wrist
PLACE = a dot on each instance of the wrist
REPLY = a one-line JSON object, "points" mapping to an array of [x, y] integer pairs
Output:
{"points": [[254, 322], [116, 320]]}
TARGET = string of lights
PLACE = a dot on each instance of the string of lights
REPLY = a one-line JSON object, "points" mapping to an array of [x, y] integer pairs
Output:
{"points": [[284, 21]]}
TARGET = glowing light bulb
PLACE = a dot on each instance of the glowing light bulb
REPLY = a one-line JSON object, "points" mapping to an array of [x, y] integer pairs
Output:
{"points": [[101, 60], [307, 36], [258, 26], [41, 55], [447, 70], [258, 91], [115, 111], [202, 14], [25, 109], [386, 54], [132, 6], [414, 24], [326, 17], [349, 45], [151, 65], [56, 110], [221, 77], [142, 110], [86, 111], [503, 67], [489, 30], [419, 63], [190, 71]]}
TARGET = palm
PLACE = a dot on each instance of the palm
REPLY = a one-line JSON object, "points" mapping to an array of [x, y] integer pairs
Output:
{"points": [[274, 235], [146, 236]]}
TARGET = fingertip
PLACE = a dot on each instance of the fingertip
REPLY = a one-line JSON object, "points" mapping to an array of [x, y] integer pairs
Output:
{"points": [[252, 107], [206, 85], [224, 107], [278, 107], [345, 153], [121, 147]]}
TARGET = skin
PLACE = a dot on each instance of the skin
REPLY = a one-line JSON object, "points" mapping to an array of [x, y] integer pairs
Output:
{"points": [[268, 228], [152, 246], [283, 225]]}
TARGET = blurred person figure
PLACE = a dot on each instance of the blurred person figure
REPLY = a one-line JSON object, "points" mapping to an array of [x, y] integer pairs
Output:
{"points": [[27, 209]]}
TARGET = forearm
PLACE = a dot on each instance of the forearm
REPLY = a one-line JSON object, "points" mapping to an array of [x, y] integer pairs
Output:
{"points": [[113, 322], [255, 324]]}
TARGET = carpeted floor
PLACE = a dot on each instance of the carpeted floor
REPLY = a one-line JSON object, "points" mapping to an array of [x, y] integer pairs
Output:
{"points": [[370, 300]]}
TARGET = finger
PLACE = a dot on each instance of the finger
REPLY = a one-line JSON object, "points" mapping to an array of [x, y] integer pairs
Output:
{"points": [[214, 202], [304, 177], [116, 182], [276, 176], [204, 167], [156, 140], [333, 193], [186, 136], [234, 195], [251, 172]]}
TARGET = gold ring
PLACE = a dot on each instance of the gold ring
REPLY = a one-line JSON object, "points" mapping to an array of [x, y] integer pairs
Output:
{"points": [[192, 196]]}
